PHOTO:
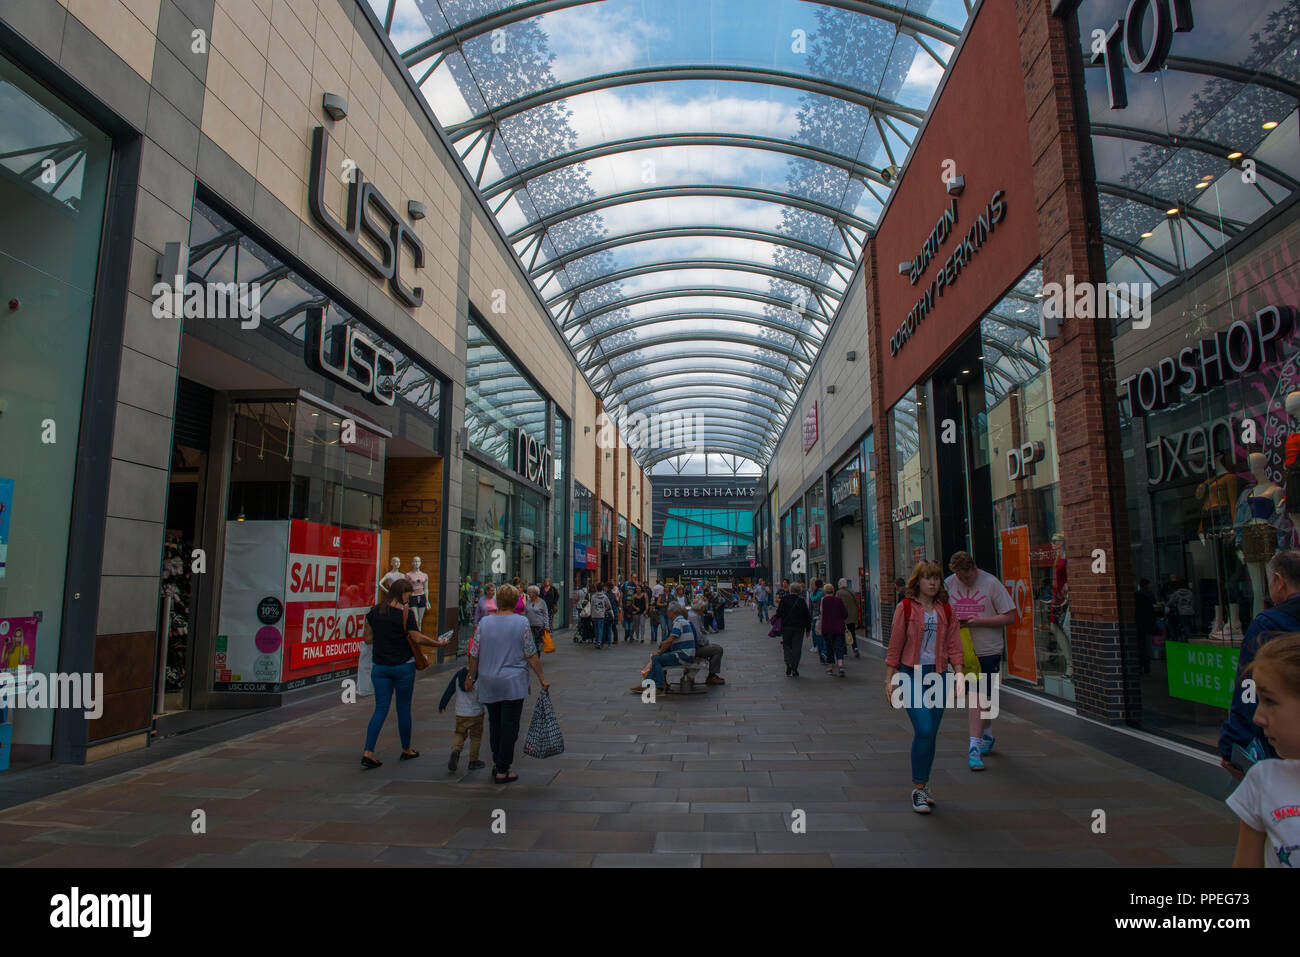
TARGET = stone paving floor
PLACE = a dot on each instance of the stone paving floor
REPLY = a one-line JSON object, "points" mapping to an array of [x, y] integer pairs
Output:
{"points": [[706, 780]]}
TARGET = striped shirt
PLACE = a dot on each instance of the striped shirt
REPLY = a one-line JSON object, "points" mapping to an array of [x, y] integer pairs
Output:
{"points": [[683, 636]]}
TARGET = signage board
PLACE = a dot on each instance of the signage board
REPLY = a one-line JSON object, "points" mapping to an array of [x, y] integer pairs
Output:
{"points": [[1203, 673], [1022, 662], [329, 587], [810, 428]]}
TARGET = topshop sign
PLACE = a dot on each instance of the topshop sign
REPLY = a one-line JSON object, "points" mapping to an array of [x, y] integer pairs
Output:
{"points": [[1194, 370]]}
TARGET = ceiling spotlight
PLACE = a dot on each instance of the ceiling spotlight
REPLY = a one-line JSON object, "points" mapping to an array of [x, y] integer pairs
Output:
{"points": [[889, 173], [1207, 177], [1172, 211], [1202, 185], [965, 371], [1235, 155], [1270, 125], [1147, 235], [335, 106]]}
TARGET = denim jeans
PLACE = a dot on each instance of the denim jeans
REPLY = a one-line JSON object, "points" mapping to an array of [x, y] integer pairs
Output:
{"points": [[387, 679], [720, 618], [762, 611], [654, 628], [657, 665], [925, 725], [599, 625]]}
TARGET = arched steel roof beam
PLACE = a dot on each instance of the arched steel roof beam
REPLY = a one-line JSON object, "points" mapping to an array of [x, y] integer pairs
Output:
{"points": [[684, 292], [733, 265], [1217, 150], [714, 413], [853, 167], [702, 401], [878, 105], [688, 314], [675, 192], [602, 377], [780, 382], [735, 338], [1234, 226], [744, 452], [906, 21], [709, 390], [687, 232]]}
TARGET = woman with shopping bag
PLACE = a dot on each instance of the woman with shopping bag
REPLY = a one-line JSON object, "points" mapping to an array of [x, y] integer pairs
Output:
{"points": [[395, 642], [498, 667]]}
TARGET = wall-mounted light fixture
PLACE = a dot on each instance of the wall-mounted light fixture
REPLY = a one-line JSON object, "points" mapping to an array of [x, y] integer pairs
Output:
{"points": [[956, 185], [335, 106], [851, 355], [905, 268], [830, 390], [415, 209], [586, 429]]}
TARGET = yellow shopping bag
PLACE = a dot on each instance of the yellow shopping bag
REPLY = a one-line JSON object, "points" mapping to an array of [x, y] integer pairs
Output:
{"points": [[971, 665], [547, 643]]}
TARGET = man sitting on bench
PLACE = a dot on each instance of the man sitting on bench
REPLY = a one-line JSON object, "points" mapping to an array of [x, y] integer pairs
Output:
{"points": [[677, 649], [709, 650]]}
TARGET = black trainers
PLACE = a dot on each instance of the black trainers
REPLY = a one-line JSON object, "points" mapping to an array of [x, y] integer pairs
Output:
{"points": [[919, 803], [454, 760], [475, 765]]}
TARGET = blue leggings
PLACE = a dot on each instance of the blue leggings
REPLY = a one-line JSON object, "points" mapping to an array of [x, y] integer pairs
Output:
{"points": [[925, 725], [387, 679]]}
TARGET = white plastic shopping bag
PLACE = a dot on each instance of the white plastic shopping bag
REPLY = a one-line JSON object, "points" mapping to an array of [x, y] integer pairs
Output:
{"points": [[365, 686]]}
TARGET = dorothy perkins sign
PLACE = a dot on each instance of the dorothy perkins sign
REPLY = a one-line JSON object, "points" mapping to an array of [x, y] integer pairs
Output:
{"points": [[950, 270]]}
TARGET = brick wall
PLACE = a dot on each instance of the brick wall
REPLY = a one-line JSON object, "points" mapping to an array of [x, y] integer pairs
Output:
{"points": [[1083, 378]]}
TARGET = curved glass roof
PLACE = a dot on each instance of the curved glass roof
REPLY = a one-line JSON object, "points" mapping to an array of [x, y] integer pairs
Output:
{"points": [[689, 183], [1205, 147]]}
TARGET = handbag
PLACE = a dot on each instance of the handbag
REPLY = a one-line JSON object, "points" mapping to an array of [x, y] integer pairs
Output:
{"points": [[776, 627], [548, 643], [585, 610], [544, 738], [422, 655]]}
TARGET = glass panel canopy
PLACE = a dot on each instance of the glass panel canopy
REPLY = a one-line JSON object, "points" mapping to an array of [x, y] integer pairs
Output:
{"points": [[689, 183]]}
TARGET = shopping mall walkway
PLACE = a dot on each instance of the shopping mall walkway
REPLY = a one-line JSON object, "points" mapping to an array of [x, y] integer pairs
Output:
{"points": [[706, 780]]}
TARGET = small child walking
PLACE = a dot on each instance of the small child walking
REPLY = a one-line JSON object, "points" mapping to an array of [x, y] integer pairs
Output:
{"points": [[469, 720], [1268, 799]]}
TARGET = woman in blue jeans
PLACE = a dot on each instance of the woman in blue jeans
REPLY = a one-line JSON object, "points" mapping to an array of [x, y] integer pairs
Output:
{"points": [[387, 626], [924, 641]]}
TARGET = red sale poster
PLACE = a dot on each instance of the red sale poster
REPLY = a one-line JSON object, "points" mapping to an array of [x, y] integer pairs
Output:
{"points": [[328, 587]]}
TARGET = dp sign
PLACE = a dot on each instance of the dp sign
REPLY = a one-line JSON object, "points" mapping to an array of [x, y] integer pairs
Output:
{"points": [[1021, 461]]}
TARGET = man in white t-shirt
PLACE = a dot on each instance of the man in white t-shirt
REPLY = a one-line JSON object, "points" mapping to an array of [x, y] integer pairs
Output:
{"points": [[985, 608]]}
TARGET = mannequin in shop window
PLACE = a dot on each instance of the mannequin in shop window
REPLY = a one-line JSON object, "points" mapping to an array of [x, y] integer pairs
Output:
{"points": [[1218, 496], [1292, 461], [419, 592], [1259, 511], [1058, 612], [394, 575]]}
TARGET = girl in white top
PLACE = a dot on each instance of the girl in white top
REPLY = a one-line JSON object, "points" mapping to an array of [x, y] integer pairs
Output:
{"points": [[1268, 798]]}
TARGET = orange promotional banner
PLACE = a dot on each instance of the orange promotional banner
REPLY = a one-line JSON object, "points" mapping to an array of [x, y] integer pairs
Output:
{"points": [[1021, 660]]}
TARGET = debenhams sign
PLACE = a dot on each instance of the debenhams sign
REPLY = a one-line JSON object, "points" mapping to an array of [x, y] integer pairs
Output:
{"points": [[708, 491]]}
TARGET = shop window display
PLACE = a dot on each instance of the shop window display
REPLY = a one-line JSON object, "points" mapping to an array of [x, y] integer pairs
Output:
{"points": [[1018, 438], [913, 534]]}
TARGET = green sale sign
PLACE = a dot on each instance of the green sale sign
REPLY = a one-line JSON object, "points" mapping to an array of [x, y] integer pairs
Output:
{"points": [[1203, 673]]}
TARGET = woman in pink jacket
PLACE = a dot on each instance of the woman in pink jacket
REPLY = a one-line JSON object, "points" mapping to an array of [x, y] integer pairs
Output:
{"points": [[925, 639]]}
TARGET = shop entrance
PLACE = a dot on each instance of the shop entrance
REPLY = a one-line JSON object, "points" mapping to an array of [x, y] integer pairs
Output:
{"points": [[186, 494], [962, 450]]}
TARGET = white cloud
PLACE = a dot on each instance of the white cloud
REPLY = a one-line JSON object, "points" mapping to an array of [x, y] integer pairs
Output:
{"points": [[594, 39]]}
